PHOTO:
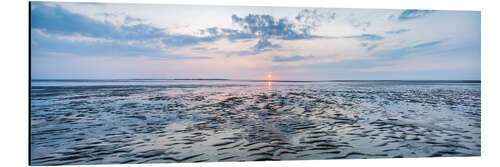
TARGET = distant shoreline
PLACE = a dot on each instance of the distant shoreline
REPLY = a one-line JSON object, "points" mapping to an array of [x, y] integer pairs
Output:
{"points": [[222, 79]]}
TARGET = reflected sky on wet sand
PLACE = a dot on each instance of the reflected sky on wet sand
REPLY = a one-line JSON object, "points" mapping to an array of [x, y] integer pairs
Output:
{"points": [[98, 122]]}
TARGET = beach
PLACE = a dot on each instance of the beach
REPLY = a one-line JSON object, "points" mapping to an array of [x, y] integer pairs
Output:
{"points": [[169, 121]]}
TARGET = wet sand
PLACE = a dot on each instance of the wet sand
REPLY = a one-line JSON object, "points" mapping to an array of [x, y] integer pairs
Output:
{"points": [[214, 121]]}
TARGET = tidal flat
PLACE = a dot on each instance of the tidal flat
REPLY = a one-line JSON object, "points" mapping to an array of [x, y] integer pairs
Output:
{"points": [[172, 121]]}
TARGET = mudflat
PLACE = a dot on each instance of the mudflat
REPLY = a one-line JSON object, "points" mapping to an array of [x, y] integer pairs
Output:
{"points": [[161, 121]]}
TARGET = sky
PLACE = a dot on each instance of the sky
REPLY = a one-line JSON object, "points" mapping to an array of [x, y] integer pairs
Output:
{"points": [[146, 41]]}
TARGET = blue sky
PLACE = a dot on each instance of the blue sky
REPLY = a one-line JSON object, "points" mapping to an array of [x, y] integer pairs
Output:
{"points": [[118, 41]]}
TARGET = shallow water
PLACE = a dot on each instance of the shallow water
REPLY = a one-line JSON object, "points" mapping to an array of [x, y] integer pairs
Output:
{"points": [[162, 121]]}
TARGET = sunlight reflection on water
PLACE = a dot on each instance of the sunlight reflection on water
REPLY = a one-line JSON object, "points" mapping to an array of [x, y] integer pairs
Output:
{"points": [[269, 87]]}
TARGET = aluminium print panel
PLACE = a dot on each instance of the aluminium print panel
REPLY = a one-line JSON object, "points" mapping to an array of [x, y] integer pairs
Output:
{"points": [[143, 83]]}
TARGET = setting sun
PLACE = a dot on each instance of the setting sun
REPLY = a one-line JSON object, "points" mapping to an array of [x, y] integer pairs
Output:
{"points": [[269, 76]]}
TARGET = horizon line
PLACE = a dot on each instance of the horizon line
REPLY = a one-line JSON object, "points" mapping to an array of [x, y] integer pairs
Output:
{"points": [[226, 79]]}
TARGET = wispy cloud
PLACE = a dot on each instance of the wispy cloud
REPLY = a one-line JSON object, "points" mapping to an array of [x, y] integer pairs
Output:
{"points": [[88, 47], [401, 53], [231, 34], [176, 40], [413, 14], [427, 44], [397, 31], [291, 58], [309, 19], [246, 52], [371, 47], [369, 37], [129, 19]]}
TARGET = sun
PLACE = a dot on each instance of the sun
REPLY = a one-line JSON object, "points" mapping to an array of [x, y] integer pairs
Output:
{"points": [[269, 76]]}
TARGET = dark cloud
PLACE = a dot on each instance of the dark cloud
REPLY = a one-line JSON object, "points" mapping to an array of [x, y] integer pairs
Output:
{"points": [[368, 37], [413, 14], [397, 31], [291, 58]]}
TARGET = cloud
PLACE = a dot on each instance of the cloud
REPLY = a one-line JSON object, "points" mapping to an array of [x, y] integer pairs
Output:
{"points": [[363, 25], [291, 58], [47, 43], [391, 17], [427, 44], [371, 47], [264, 43], [368, 37], [231, 34], [309, 19], [56, 20], [176, 40], [413, 14], [60, 21], [200, 49], [129, 19], [395, 54], [397, 31], [246, 52], [266, 26]]}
